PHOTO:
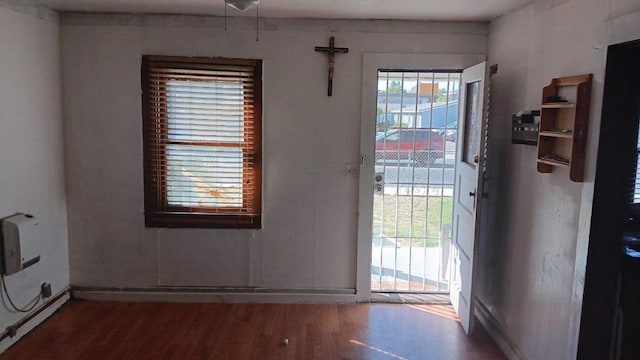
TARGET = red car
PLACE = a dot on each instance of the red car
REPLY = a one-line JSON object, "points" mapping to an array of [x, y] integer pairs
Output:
{"points": [[416, 147]]}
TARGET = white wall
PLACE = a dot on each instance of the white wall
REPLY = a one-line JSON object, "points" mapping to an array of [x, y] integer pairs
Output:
{"points": [[533, 261], [31, 146], [309, 230]]}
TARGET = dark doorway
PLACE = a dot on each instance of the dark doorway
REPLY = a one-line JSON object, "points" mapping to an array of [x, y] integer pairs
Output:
{"points": [[610, 326]]}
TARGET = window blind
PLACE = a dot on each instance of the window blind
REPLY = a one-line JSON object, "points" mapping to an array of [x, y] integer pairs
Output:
{"points": [[202, 141]]}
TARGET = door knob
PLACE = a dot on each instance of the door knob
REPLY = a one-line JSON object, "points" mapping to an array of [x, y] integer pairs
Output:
{"points": [[472, 193]]}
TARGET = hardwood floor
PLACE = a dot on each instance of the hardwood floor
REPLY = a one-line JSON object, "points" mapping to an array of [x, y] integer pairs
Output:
{"points": [[117, 330]]}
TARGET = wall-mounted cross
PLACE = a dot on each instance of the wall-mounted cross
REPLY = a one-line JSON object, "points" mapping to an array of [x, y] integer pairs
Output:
{"points": [[331, 50]]}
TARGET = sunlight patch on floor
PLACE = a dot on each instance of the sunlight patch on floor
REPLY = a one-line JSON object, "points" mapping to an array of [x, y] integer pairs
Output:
{"points": [[377, 350]]}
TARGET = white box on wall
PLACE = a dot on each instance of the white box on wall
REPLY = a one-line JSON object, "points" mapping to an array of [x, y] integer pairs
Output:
{"points": [[20, 235]]}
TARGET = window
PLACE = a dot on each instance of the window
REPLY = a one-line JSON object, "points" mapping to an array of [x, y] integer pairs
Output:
{"points": [[202, 142]]}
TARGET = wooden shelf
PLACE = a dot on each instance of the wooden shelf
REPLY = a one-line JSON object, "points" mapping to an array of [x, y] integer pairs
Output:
{"points": [[556, 134], [571, 116], [559, 105], [554, 163]]}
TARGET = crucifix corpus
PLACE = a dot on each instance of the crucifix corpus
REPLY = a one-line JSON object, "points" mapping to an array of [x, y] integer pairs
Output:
{"points": [[331, 50]]}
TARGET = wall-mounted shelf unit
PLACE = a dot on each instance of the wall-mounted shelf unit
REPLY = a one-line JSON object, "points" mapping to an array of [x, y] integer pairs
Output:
{"points": [[563, 125]]}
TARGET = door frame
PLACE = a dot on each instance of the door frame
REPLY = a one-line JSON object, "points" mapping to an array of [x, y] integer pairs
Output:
{"points": [[372, 62], [600, 317], [618, 30]]}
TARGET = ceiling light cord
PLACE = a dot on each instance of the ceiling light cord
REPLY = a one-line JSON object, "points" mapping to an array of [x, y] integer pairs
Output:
{"points": [[243, 5]]}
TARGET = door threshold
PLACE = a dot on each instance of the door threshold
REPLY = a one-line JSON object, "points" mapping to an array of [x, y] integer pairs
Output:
{"points": [[410, 298]]}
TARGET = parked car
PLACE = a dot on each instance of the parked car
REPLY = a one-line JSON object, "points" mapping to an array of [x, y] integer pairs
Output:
{"points": [[412, 147], [450, 134]]}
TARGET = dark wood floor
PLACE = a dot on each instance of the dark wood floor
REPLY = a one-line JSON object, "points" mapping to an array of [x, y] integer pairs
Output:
{"points": [[113, 330]]}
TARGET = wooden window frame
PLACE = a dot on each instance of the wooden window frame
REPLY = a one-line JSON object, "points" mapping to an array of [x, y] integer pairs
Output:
{"points": [[158, 213]]}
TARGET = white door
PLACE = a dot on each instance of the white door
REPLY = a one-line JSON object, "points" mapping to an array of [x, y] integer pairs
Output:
{"points": [[467, 194]]}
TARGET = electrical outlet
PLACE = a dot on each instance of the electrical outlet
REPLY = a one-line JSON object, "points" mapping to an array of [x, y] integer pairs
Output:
{"points": [[45, 290]]}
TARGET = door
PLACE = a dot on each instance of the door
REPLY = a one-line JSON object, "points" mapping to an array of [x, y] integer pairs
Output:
{"points": [[415, 151], [467, 194]]}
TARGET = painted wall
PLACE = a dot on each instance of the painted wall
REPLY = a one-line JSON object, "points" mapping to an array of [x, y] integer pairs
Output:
{"points": [[31, 146], [309, 230], [533, 261]]}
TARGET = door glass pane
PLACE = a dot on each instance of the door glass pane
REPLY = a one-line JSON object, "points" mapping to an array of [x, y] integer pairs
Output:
{"points": [[471, 124]]}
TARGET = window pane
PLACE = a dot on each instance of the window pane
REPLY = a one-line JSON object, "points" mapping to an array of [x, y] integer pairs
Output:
{"points": [[471, 143], [205, 111], [200, 176]]}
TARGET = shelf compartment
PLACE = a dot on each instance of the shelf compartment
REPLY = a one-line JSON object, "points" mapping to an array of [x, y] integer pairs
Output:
{"points": [[552, 119]]}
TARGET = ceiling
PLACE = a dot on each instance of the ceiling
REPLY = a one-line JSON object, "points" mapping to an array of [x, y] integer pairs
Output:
{"points": [[449, 10]]}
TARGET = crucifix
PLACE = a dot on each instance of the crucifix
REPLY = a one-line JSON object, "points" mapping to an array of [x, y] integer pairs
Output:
{"points": [[331, 50]]}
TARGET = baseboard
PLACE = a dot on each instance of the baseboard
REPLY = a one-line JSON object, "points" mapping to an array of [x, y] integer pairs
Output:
{"points": [[495, 329], [217, 295], [24, 328]]}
